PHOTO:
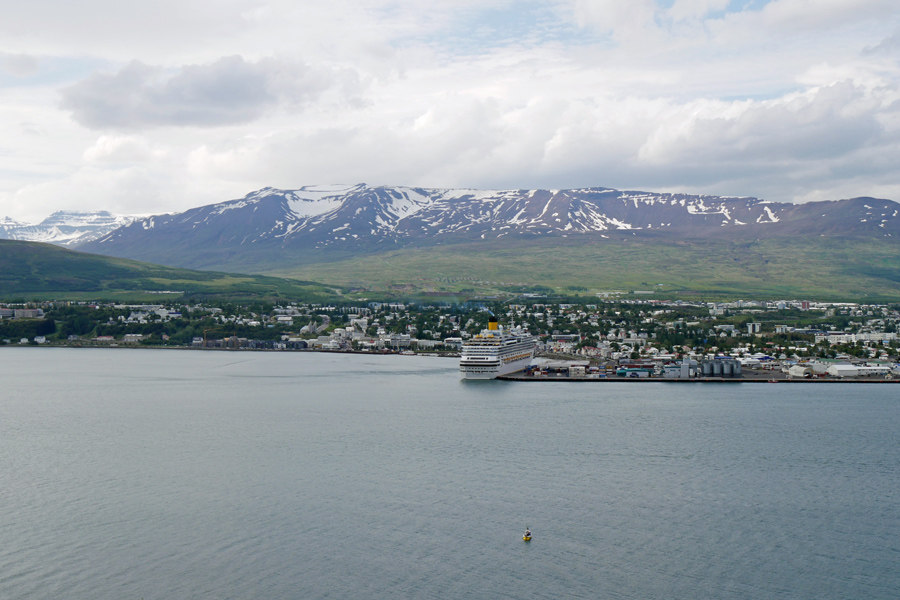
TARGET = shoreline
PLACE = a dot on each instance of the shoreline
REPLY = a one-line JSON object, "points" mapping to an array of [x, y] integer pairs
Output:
{"points": [[522, 378], [201, 348], [514, 377]]}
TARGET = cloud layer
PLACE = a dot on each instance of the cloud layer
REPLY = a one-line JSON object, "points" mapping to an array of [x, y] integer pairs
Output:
{"points": [[785, 99], [225, 92]]}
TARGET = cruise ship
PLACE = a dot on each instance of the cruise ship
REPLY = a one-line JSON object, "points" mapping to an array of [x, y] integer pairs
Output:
{"points": [[496, 352]]}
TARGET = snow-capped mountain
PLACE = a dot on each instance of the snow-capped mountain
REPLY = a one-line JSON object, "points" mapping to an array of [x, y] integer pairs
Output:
{"points": [[363, 218], [64, 228]]}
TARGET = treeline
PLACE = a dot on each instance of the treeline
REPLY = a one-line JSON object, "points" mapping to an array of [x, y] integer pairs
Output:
{"points": [[88, 322], [16, 329]]}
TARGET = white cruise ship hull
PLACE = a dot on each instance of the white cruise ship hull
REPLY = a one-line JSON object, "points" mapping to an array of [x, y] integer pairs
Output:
{"points": [[492, 369]]}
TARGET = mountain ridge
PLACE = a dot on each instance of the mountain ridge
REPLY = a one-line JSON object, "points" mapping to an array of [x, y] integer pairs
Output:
{"points": [[364, 218], [388, 238]]}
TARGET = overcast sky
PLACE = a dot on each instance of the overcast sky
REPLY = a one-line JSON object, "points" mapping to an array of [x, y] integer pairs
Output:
{"points": [[164, 105]]}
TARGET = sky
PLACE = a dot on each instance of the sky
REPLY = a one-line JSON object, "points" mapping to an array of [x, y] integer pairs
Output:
{"points": [[165, 105]]}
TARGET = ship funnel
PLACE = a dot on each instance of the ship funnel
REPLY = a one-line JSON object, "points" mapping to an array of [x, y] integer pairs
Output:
{"points": [[492, 324]]}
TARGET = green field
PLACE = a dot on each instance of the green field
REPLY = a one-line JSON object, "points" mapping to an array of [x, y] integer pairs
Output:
{"points": [[815, 268], [820, 268]]}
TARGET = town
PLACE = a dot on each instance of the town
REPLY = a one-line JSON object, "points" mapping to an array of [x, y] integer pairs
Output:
{"points": [[603, 336]]}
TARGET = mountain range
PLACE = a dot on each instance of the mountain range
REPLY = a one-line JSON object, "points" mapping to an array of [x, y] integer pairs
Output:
{"points": [[361, 218], [64, 228], [453, 240]]}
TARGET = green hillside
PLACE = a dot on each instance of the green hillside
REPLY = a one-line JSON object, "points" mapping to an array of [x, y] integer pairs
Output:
{"points": [[43, 271], [810, 267]]}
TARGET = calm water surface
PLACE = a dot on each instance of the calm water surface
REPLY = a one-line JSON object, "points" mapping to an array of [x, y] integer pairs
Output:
{"points": [[128, 474]]}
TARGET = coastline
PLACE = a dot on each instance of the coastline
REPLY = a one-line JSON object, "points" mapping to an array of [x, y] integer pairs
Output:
{"points": [[519, 376], [207, 349]]}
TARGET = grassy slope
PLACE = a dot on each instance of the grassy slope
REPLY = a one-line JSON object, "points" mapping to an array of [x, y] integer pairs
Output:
{"points": [[41, 271], [819, 268], [826, 268]]}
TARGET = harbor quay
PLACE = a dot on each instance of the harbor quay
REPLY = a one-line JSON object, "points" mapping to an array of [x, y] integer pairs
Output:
{"points": [[712, 370], [768, 378]]}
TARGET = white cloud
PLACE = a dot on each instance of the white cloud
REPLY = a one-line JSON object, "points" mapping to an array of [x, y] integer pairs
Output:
{"points": [[615, 16], [20, 65], [684, 10], [889, 47], [624, 19], [133, 186], [798, 140], [122, 149], [227, 91], [819, 14], [170, 104]]}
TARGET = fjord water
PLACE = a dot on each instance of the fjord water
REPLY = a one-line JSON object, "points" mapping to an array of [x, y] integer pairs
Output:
{"points": [[187, 474]]}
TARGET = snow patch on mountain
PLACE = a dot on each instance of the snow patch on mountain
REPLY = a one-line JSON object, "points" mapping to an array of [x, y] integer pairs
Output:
{"points": [[304, 208]]}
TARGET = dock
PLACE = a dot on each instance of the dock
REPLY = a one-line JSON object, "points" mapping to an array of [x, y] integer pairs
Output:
{"points": [[773, 377]]}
